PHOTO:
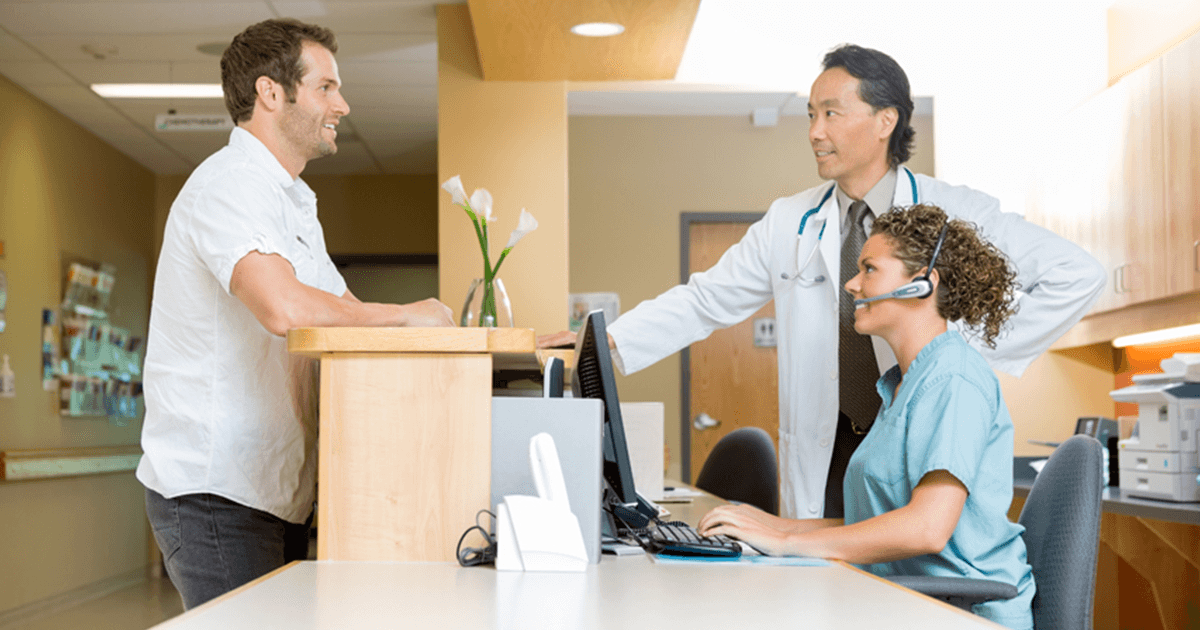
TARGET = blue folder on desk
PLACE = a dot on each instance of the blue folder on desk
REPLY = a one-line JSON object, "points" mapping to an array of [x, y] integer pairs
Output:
{"points": [[782, 561]]}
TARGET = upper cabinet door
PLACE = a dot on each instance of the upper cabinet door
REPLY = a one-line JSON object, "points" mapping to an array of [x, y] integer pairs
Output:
{"points": [[1181, 113], [1139, 189]]}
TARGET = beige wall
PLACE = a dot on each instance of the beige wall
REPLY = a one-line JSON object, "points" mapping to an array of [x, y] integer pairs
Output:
{"points": [[1139, 31], [65, 194], [378, 214], [509, 137], [360, 214], [631, 177]]}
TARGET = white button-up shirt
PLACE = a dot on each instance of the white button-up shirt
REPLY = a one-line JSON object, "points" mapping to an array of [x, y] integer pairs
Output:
{"points": [[228, 410]]}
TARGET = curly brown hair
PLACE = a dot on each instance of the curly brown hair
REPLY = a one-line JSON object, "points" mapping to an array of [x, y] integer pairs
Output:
{"points": [[977, 285], [268, 49]]}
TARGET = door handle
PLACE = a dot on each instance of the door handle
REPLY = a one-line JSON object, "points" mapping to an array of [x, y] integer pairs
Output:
{"points": [[705, 421], [1196, 256]]}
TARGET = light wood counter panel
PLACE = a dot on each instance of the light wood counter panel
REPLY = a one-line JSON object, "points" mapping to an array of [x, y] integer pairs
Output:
{"points": [[405, 426]]}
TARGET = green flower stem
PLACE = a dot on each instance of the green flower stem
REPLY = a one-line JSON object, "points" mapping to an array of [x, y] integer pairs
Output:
{"points": [[482, 236], [487, 309], [503, 254]]}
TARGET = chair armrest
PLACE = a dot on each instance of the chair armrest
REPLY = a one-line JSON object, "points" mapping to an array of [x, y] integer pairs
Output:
{"points": [[960, 592]]}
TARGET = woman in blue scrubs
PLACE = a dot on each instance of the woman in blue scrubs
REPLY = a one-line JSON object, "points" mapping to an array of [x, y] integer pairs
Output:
{"points": [[928, 490]]}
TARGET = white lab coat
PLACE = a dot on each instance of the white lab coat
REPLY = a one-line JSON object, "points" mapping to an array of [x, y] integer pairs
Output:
{"points": [[1059, 282]]}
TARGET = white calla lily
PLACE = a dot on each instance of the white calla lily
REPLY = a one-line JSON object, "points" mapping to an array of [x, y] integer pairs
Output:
{"points": [[525, 225], [455, 188], [481, 203]]}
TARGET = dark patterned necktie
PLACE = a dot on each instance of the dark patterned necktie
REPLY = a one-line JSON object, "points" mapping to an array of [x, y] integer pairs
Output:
{"points": [[857, 369]]}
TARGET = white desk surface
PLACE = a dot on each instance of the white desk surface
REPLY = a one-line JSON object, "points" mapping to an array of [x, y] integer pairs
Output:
{"points": [[622, 593]]}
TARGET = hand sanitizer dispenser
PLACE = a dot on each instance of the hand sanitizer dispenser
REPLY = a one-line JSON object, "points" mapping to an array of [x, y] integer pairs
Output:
{"points": [[8, 380], [1163, 460]]}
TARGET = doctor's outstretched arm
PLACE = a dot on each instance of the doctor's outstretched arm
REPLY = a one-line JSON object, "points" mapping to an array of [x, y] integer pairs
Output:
{"points": [[730, 291]]}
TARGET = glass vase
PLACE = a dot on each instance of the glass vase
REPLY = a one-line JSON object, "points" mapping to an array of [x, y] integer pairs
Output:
{"points": [[487, 305]]}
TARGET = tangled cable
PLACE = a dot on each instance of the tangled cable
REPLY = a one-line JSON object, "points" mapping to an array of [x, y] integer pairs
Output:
{"points": [[475, 556]]}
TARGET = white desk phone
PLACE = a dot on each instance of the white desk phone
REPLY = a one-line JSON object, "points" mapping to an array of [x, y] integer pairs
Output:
{"points": [[540, 533]]}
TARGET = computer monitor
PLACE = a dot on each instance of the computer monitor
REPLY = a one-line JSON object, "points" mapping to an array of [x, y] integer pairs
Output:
{"points": [[593, 378]]}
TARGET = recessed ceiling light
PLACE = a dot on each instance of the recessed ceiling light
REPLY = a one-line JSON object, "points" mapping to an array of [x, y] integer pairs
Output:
{"points": [[215, 49], [158, 90], [598, 29]]}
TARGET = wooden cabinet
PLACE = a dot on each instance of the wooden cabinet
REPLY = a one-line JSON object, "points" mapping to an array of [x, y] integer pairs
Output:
{"points": [[1138, 188], [1181, 119], [1124, 181]]}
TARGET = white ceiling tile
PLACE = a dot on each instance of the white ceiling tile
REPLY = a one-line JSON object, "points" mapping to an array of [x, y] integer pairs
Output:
{"points": [[364, 17], [65, 95], [177, 47], [28, 73], [110, 71], [195, 147], [143, 110], [398, 73], [387, 47], [130, 17], [13, 49], [157, 158]]}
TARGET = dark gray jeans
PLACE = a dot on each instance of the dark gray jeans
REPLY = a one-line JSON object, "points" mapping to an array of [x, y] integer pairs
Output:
{"points": [[212, 545]]}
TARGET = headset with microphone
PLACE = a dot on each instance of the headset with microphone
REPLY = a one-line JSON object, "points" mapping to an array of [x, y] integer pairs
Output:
{"points": [[921, 287]]}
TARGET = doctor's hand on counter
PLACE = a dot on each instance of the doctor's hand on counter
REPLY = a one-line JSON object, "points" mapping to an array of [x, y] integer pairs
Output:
{"points": [[564, 339]]}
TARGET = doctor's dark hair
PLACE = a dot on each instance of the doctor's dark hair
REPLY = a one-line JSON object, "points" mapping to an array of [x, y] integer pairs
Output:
{"points": [[975, 282], [268, 49], [881, 84]]}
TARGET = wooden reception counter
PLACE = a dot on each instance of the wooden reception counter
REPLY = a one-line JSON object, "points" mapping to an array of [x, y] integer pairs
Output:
{"points": [[405, 434]]}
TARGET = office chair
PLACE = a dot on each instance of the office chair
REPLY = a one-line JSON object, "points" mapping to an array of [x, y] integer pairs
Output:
{"points": [[1062, 532], [742, 467]]}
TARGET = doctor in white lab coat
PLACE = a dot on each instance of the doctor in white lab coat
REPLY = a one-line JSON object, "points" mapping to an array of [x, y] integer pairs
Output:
{"points": [[860, 137]]}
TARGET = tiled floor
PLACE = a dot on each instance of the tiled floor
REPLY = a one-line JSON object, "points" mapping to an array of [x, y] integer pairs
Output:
{"points": [[135, 607]]}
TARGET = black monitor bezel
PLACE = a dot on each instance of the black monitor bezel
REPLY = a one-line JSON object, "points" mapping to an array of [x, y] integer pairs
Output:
{"points": [[617, 469]]}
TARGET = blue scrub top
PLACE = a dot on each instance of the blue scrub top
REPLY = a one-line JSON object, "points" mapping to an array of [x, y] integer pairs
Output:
{"points": [[948, 415]]}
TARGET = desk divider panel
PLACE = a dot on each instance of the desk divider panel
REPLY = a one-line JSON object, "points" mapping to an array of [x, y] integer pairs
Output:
{"points": [[405, 453]]}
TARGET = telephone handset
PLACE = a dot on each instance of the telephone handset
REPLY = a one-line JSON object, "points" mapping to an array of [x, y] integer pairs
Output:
{"points": [[540, 533], [547, 470]]}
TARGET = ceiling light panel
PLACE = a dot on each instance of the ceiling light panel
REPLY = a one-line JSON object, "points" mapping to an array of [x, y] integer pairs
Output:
{"points": [[158, 90], [90, 72]]}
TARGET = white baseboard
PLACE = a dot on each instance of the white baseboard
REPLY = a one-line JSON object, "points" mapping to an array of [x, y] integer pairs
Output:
{"points": [[16, 617]]}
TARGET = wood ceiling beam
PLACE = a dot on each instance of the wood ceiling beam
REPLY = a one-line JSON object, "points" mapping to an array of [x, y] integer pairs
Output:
{"points": [[530, 40]]}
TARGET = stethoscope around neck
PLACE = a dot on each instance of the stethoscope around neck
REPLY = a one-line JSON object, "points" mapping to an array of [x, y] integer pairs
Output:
{"points": [[799, 277], [813, 281]]}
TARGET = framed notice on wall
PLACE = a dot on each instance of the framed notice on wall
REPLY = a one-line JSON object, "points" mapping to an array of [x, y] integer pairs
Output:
{"points": [[580, 304]]}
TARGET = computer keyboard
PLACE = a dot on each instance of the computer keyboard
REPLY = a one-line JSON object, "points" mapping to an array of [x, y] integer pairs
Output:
{"points": [[680, 539]]}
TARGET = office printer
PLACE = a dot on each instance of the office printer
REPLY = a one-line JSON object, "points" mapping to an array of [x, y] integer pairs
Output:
{"points": [[1160, 460]]}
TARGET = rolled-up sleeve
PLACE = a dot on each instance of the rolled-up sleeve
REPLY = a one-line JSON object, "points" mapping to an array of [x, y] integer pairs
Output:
{"points": [[234, 218]]}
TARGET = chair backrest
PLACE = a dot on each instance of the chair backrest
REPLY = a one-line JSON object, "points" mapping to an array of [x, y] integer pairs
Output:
{"points": [[1062, 534], [742, 467]]}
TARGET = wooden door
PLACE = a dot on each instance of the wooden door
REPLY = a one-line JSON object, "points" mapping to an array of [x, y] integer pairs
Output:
{"points": [[1181, 113], [731, 380]]}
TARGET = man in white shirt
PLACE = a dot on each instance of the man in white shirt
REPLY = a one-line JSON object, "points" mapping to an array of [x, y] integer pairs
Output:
{"points": [[230, 430]]}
